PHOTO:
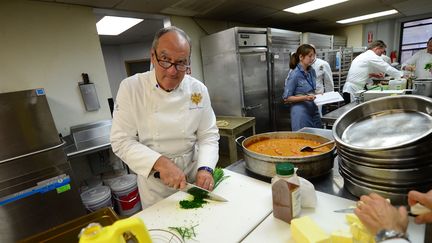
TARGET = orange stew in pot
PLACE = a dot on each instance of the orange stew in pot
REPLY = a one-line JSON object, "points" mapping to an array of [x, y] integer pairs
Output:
{"points": [[288, 147]]}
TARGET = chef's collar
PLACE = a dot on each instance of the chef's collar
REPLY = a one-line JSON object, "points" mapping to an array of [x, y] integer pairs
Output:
{"points": [[156, 84]]}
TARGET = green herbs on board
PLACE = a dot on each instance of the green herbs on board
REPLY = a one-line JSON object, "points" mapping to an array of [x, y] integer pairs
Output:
{"points": [[186, 233], [199, 196]]}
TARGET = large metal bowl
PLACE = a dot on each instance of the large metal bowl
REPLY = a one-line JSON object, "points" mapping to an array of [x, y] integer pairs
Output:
{"points": [[308, 166], [384, 146]]}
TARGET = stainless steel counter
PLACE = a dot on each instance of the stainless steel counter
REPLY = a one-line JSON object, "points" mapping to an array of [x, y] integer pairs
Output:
{"points": [[88, 138], [330, 118]]}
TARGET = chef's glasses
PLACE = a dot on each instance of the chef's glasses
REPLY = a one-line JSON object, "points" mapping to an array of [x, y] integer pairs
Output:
{"points": [[165, 64]]}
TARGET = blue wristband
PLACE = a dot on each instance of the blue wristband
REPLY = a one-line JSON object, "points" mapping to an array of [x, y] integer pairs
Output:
{"points": [[206, 168]]}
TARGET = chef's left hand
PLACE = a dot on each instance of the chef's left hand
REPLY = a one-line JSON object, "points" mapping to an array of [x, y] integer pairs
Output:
{"points": [[204, 179]]}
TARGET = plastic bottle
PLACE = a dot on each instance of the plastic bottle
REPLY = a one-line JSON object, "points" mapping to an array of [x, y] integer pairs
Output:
{"points": [[338, 60], [286, 193], [397, 84], [95, 233]]}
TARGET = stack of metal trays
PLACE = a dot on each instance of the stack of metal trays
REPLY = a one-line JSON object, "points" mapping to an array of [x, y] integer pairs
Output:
{"points": [[384, 146]]}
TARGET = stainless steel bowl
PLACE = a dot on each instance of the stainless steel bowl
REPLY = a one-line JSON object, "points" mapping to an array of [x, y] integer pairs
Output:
{"points": [[384, 146], [308, 166]]}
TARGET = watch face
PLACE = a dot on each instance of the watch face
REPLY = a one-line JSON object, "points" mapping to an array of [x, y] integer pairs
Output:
{"points": [[389, 234]]}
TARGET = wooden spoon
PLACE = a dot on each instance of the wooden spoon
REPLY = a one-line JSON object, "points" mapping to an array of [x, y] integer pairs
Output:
{"points": [[311, 149]]}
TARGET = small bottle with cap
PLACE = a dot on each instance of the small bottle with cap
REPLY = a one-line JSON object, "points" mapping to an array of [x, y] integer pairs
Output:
{"points": [[286, 193]]}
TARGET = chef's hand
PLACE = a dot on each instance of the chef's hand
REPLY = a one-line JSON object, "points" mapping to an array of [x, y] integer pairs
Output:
{"points": [[409, 68], [310, 97], [426, 200], [169, 173], [204, 179], [376, 213], [376, 75]]}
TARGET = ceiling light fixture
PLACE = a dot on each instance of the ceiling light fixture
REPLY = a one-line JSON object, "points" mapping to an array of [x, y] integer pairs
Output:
{"points": [[367, 16], [112, 25], [312, 5]]}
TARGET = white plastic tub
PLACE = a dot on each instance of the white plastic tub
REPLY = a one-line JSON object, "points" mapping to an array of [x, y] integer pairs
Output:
{"points": [[96, 198]]}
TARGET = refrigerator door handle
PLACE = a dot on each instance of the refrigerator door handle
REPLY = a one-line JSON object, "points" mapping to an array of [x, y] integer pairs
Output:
{"points": [[34, 152], [252, 107]]}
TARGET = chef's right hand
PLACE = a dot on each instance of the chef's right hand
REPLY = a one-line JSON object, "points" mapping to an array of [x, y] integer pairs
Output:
{"points": [[426, 200], [169, 173], [410, 68]]}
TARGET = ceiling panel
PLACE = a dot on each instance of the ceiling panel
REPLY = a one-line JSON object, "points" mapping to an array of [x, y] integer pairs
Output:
{"points": [[263, 13], [145, 6]]}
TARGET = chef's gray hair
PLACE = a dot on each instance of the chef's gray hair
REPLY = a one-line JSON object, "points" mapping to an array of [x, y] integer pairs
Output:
{"points": [[377, 43], [168, 29]]}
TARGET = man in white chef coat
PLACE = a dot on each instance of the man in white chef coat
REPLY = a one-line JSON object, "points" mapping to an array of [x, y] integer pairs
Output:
{"points": [[369, 62], [324, 79], [418, 62], [163, 122]]}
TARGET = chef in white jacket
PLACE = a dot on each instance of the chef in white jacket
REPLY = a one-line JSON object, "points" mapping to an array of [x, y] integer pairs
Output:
{"points": [[324, 76], [163, 122], [363, 65], [418, 62]]}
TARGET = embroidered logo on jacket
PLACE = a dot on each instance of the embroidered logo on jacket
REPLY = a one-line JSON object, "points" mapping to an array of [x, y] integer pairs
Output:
{"points": [[196, 98]]}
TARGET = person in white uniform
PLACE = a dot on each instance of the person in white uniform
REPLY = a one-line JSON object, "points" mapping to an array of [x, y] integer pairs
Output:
{"points": [[387, 222], [418, 62], [163, 122], [324, 76], [324, 79], [363, 65]]}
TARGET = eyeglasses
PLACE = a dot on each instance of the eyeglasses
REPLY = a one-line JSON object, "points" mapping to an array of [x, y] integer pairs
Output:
{"points": [[165, 64]]}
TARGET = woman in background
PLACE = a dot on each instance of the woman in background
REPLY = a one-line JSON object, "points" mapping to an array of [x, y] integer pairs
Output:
{"points": [[300, 89]]}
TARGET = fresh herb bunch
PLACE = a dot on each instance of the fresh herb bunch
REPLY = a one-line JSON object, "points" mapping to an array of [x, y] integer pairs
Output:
{"points": [[218, 176], [428, 66], [198, 199], [199, 195], [186, 233]]}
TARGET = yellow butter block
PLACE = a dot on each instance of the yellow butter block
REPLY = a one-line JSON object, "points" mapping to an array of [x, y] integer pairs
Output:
{"points": [[358, 230], [340, 236], [305, 230], [352, 218]]}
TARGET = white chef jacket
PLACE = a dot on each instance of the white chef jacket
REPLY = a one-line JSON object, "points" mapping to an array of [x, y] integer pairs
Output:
{"points": [[420, 59], [149, 122], [324, 76], [361, 66]]}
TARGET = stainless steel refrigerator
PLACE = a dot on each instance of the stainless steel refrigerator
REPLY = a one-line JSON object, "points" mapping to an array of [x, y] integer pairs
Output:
{"points": [[37, 189], [245, 70]]}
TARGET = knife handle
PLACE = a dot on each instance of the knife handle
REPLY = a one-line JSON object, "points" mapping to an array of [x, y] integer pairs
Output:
{"points": [[157, 174]]}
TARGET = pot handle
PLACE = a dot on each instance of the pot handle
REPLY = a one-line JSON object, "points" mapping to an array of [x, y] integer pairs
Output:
{"points": [[238, 142]]}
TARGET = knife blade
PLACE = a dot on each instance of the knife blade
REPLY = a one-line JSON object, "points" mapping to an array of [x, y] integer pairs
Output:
{"points": [[416, 209], [194, 190], [345, 210]]}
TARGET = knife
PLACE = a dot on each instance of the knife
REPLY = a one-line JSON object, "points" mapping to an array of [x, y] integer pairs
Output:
{"points": [[416, 209], [194, 190]]}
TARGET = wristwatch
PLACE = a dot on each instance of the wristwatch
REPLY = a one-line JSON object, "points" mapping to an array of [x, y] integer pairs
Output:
{"points": [[385, 234]]}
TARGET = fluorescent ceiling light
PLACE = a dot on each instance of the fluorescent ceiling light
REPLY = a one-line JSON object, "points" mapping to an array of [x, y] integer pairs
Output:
{"points": [[367, 16], [312, 5], [111, 25]]}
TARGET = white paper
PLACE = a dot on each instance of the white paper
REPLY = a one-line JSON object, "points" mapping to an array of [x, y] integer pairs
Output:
{"points": [[328, 97]]}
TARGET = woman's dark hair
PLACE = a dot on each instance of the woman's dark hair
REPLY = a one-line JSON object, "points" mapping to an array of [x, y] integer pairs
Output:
{"points": [[303, 50]]}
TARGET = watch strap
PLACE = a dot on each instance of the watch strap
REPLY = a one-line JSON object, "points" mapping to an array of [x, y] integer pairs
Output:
{"points": [[206, 168]]}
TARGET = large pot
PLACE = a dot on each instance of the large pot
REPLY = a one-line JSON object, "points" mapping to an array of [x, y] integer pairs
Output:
{"points": [[422, 87], [308, 166]]}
